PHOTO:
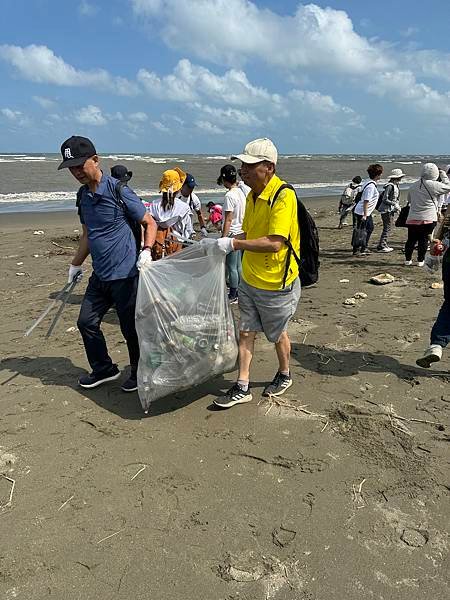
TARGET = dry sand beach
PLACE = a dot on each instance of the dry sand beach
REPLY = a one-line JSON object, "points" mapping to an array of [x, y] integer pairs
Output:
{"points": [[338, 492]]}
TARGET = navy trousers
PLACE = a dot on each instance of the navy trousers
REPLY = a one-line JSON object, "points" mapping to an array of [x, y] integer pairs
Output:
{"points": [[100, 296]]}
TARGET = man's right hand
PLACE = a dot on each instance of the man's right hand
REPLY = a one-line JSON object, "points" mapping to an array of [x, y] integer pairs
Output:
{"points": [[74, 271]]}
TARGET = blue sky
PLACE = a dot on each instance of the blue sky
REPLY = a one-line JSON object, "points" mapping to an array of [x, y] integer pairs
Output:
{"points": [[205, 76]]}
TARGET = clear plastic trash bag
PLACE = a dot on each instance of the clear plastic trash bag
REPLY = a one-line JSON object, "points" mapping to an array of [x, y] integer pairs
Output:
{"points": [[184, 322]]}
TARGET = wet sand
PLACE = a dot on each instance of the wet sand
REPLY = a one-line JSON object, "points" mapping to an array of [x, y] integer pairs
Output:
{"points": [[340, 491]]}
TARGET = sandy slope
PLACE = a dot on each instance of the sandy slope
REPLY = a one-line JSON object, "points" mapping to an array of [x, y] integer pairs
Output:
{"points": [[258, 502]]}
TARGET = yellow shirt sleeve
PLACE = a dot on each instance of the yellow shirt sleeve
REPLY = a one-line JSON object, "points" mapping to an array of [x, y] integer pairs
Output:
{"points": [[282, 214]]}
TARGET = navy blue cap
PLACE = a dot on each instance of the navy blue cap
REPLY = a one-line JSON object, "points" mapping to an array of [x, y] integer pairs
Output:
{"points": [[190, 181]]}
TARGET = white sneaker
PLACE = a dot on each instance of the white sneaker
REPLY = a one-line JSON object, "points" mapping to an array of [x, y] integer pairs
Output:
{"points": [[420, 263], [408, 263], [432, 354], [386, 249]]}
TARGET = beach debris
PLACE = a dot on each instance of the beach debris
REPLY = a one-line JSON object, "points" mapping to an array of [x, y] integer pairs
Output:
{"points": [[11, 492], [360, 296], [38, 232], [437, 285], [71, 329], [65, 503], [382, 279], [19, 264], [416, 538], [63, 247], [22, 274], [140, 471], [110, 536], [36, 255], [344, 280], [349, 302], [6, 460], [282, 537], [357, 495]]}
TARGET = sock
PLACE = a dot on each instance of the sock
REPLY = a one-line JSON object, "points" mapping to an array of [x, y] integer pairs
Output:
{"points": [[243, 383], [286, 373]]}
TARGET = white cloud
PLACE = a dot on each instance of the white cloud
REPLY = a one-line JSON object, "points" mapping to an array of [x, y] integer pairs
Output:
{"points": [[15, 116], [160, 126], [86, 9], [209, 128], [190, 82], [90, 115], [138, 117], [409, 32], [227, 116], [40, 65], [44, 102], [402, 88], [313, 37]]}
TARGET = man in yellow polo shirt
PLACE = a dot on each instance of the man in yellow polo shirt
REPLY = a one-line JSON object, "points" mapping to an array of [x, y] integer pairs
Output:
{"points": [[269, 290]]}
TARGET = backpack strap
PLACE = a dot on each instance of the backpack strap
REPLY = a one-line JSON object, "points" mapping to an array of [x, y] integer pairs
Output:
{"points": [[291, 251], [78, 201]]}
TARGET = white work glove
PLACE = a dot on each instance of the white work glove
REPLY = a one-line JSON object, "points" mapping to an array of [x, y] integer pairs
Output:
{"points": [[225, 244], [204, 232], [74, 272], [145, 259]]}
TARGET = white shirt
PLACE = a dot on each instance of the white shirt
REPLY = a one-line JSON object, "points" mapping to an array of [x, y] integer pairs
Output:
{"points": [[178, 217], [369, 194], [234, 202], [193, 201]]}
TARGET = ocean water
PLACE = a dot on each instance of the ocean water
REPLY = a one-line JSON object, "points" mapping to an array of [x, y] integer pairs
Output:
{"points": [[31, 182]]}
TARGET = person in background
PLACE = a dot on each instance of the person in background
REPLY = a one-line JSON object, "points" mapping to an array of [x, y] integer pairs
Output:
{"points": [[171, 214], [423, 210], [269, 290], [108, 237], [193, 201], [444, 199], [440, 333], [389, 206], [234, 209], [121, 173], [215, 215], [366, 206], [347, 200]]}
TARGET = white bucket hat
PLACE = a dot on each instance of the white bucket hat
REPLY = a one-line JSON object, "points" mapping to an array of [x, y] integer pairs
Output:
{"points": [[257, 151], [396, 174]]}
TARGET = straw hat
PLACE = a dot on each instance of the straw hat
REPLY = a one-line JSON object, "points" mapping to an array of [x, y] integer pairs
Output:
{"points": [[172, 180], [396, 174]]}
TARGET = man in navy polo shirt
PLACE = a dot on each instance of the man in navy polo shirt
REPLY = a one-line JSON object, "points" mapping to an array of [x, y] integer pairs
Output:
{"points": [[108, 237]]}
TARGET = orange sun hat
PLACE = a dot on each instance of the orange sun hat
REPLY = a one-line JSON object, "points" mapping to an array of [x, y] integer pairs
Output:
{"points": [[172, 180]]}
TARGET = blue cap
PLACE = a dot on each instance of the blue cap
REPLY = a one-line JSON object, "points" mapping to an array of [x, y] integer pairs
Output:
{"points": [[190, 181]]}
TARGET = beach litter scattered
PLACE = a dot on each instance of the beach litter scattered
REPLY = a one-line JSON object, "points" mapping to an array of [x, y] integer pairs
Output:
{"points": [[349, 302], [360, 296], [437, 285], [382, 279], [344, 280], [38, 232]]}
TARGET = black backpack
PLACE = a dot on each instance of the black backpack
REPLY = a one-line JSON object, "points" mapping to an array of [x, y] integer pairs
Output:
{"points": [[308, 261], [135, 226]]}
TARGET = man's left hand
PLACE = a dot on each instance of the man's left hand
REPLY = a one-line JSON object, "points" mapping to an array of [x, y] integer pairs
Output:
{"points": [[145, 259]]}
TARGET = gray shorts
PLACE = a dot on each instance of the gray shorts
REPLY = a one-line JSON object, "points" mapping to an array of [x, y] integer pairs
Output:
{"points": [[266, 310]]}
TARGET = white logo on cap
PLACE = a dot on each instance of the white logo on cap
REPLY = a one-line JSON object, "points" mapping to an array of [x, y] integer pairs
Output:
{"points": [[68, 153]]}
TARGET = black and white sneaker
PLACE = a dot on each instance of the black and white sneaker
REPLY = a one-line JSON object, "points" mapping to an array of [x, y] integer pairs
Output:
{"points": [[235, 395], [130, 385], [93, 380], [279, 385]]}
